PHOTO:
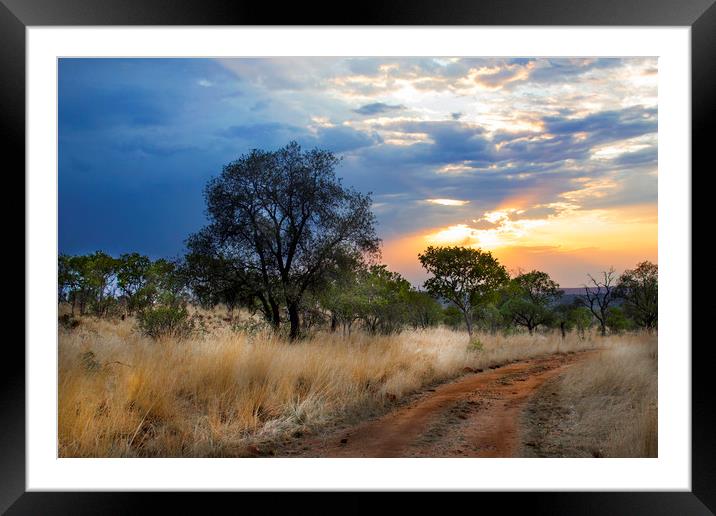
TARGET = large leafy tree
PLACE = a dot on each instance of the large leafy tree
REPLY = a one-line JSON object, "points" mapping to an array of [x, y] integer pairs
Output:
{"points": [[282, 219], [530, 297], [465, 276], [639, 288]]}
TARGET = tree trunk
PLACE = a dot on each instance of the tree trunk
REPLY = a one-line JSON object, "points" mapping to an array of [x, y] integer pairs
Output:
{"points": [[531, 329], [295, 321], [275, 314], [561, 328], [468, 323], [334, 323]]}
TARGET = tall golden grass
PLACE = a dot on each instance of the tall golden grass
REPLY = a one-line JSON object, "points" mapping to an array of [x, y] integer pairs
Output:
{"points": [[123, 395], [613, 399]]}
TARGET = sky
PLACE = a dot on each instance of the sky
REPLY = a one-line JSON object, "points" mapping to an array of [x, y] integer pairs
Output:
{"points": [[549, 164]]}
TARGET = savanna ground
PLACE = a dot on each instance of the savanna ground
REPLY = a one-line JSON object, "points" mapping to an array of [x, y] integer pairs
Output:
{"points": [[234, 393]]}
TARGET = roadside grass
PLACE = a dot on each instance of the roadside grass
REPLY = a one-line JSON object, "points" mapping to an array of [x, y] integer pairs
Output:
{"points": [[124, 395], [613, 399]]}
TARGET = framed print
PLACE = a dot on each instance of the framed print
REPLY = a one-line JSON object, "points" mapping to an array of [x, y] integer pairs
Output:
{"points": [[273, 252]]}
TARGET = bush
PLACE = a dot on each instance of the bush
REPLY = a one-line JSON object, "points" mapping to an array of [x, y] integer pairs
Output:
{"points": [[68, 321], [250, 327], [617, 321], [475, 345], [165, 321]]}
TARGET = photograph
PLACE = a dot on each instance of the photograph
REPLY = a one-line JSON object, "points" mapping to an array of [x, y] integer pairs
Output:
{"points": [[357, 257]]}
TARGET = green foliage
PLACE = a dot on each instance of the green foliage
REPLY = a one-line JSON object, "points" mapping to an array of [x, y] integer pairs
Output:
{"points": [[568, 317], [165, 321], [490, 317], [475, 345], [104, 286], [423, 311], [617, 320], [133, 280], [639, 288], [528, 299], [453, 318], [281, 220], [581, 318], [250, 327], [465, 276], [383, 299]]}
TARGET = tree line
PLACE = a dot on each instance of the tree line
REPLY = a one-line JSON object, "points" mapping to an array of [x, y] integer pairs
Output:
{"points": [[286, 239]]}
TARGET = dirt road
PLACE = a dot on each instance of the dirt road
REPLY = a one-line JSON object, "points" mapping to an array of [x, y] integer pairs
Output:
{"points": [[477, 415]]}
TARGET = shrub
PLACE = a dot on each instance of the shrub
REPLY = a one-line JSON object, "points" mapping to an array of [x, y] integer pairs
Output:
{"points": [[617, 321], [69, 321], [475, 345], [250, 327], [165, 321]]}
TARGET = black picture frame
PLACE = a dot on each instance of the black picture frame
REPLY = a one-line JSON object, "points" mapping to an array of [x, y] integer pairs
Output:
{"points": [[17, 15]]}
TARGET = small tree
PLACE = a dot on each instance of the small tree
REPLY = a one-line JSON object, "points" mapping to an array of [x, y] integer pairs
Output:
{"points": [[133, 280], [382, 299], [423, 311], [530, 297], [572, 316], [341, 297], [69, 278], [452, 317], [600, 296], [618, 321], [464, 276], [639, 288]]}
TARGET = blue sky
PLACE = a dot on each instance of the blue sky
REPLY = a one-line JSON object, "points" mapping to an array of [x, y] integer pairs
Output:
{"points": [[549, 163]]}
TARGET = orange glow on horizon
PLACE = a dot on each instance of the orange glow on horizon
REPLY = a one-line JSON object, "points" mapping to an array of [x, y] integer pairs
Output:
{"points": [[567, 246]]}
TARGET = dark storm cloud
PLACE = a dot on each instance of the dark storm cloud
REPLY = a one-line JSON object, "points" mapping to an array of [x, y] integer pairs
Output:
{"points": [[272, 134], [140, 138]]}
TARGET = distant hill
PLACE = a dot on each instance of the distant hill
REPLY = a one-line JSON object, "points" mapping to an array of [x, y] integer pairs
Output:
{"points": [[571, 294]]}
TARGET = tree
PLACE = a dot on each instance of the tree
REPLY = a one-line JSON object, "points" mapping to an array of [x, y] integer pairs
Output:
{"points": [[67, 279], [423, 311], [572, 316], [599, 297], [452, 317], [282, 219], [464, 276], [639, 288], [382, 299], [530, 297], [618, 321], [340, 295], [490, 317], [133, 280]]}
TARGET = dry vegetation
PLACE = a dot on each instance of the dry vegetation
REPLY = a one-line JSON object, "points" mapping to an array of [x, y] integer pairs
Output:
{"points": [[603, 407], [121, 394]]}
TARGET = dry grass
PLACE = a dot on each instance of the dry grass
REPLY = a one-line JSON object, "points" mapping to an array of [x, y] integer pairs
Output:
{"points": [[612, 400], [121, 394]]}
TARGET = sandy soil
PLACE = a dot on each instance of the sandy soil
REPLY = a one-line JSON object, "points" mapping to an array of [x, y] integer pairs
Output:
{"points": [[477, 415]]}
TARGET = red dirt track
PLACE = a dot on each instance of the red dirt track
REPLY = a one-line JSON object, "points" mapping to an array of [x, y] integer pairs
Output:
{"points": [[474, 416]]}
